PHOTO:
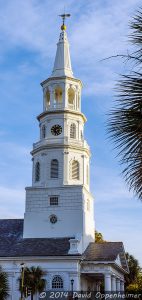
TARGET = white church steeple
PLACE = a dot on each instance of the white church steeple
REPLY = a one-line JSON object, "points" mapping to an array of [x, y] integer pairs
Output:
{"points": [[59, 198], [62, 64]]}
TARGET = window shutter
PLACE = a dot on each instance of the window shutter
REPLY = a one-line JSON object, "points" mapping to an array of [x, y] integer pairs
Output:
{"points": [[37, 172], [73, 131], [43, 131], [75, 170], [54, 168]]}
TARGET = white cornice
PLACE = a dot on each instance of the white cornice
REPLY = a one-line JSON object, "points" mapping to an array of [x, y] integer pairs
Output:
{"points": [[59, 146], [105, 263], [65, 111], [64, 78], [43, 258]]}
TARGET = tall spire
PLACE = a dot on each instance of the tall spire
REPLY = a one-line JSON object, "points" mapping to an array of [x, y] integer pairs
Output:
{"points": [[62, 64]]}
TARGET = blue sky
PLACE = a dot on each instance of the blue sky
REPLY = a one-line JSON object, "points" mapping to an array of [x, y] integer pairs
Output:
{"points": [[29, 31]]}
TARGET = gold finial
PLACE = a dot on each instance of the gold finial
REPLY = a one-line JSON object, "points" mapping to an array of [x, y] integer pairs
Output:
{"points": [[64, 16]]}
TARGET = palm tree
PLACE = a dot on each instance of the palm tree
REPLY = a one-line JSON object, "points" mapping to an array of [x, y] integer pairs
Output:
{"points": [[4, 285], [33, 280], [125, 120]]}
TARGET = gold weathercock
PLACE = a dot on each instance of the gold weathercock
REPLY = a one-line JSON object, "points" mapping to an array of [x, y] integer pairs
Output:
{"points": [[64, 16]]}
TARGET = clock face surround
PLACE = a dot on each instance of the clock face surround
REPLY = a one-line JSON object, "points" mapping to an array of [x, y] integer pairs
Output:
{"points": [[56, 129]]}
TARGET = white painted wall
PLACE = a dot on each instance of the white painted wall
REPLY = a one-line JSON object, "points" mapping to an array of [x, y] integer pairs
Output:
{"points": [[67, 268], [73, 220]]}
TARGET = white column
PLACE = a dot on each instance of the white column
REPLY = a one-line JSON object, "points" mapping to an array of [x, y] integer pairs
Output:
{"points": [[83, 176], [118, 285], [44, 104], [66, 167], [63, 95], [50, 92], [52, 97], [107, 282], [75, 101], [79, 99], [122, 286], [78, 130], [113, 284]]}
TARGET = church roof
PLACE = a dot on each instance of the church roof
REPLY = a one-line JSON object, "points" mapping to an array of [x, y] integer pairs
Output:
{"points": [[106, 251], [12, 244]]}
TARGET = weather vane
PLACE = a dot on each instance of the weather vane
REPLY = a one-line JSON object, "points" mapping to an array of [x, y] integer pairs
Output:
{"points": [[64, 16]]}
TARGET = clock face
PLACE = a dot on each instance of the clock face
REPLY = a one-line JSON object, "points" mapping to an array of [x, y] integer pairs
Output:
{"points": [[56, 129]]}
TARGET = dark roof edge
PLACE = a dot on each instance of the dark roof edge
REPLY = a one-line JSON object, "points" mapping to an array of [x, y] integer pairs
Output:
{"points": [[77, 256]]}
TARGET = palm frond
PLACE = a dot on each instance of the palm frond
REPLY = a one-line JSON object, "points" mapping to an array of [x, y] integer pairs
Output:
{"points": [[125, 128], [33, 279], [125, 120], [4, 285]]}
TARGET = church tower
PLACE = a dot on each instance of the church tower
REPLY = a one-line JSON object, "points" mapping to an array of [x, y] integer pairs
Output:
{"points": [[59, 202]]}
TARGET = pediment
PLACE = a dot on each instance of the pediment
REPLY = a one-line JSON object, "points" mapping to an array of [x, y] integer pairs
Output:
{"points": [[118, 260]]}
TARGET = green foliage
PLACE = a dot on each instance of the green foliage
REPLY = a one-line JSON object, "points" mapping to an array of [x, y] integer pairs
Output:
{"points": [[99, 237], [136, 286], [139, 281], [132, 288], [125, 120], [134, 272], [4, 285], [33, 279]]}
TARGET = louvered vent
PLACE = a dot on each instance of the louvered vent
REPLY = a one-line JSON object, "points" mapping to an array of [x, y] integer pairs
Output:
{"points": [[54, 168], [75, 170]]}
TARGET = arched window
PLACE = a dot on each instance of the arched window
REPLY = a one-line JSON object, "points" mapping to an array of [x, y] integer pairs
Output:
{"points": [[71, 95], [54, 168], [58, 95], [57, 282], [75, 169], [73, 131], [87, 174], [37, 171], [43, 130], [47, 98]]}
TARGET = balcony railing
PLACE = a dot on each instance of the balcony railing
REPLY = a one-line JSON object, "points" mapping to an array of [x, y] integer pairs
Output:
{"points": [[59, 106], [64, 140], [71, 106]]}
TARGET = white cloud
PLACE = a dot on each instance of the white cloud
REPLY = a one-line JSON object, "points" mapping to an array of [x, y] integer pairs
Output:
{"points": [[28, 24], [96, 30], [14, 176], [12, 202], [15, 165]]}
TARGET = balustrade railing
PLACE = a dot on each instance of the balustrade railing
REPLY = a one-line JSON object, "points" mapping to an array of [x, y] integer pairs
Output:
{"points": [[60, 105], [71, 106], [63, 140]]}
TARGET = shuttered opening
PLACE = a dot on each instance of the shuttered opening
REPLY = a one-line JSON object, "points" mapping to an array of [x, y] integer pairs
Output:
{"points": [[75, 170], [54, 168]]}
